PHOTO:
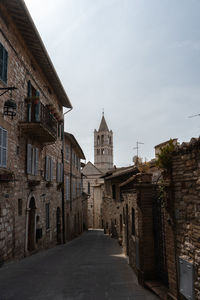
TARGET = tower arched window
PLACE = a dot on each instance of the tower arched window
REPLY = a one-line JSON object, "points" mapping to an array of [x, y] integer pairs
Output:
{"points": [[98, 151], [98, 140], [102, 151], [102, 139], [110, 140]]}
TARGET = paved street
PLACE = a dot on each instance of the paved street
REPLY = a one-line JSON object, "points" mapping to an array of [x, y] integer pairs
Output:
{"points": [[90, 267]]}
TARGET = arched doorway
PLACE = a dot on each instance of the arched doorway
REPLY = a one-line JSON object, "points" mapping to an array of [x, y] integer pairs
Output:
{"points": [[58, 225], [31, 225]]}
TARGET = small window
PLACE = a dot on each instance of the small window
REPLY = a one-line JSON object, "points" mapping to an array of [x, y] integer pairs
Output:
{"points": [[48, 168], [67, 186], [102, 151], [47, 216], [67, 152], [98, 140], [32, 160], [59, 172], [89, 188], [102, 139], [3, 63], [114, 191], [133, 221], [98, 151], [3, 147], [19, 207], [110, 140]]}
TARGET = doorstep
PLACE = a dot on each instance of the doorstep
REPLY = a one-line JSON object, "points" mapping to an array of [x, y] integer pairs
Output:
{"points": [[158, 288]]}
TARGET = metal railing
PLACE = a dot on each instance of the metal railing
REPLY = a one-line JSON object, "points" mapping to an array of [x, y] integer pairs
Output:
{"points": [[38, 113]]}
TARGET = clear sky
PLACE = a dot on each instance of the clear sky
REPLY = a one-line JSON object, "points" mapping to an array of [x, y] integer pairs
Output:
{"points": [[137, 59]]}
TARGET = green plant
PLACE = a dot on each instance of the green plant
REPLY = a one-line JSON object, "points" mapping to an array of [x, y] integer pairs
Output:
{"points": [[164, 160]]}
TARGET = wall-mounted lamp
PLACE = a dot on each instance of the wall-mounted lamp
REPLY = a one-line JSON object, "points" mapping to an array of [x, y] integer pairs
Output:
{"points": [[10, 104]]}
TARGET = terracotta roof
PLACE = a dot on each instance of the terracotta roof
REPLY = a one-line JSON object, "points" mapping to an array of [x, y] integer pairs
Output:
{"points": [[20, 15], [103, 126], [75, 144], [120, 172]]}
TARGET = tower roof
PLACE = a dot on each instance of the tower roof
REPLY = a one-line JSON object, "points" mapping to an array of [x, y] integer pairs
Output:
{"points": [[103, 126]]}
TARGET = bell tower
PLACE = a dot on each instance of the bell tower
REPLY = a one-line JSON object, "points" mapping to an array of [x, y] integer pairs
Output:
{"points": [[103, 147]]}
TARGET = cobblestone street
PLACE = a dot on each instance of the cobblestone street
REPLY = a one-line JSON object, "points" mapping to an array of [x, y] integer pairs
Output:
{"points": [[90, 267]]}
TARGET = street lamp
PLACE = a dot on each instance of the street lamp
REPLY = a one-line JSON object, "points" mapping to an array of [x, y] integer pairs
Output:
{"points": [[10, 105]]}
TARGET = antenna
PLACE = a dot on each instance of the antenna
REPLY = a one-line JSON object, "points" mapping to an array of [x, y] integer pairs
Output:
{"points": [[102, 111], [137, 147]]}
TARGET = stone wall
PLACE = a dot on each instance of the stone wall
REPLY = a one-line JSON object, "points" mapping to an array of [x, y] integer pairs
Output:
{"points": [[15, 230], [186, 184]]}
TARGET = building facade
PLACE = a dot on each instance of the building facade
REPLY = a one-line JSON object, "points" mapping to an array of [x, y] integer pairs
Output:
{"points": [[93, 184], [31, 133], [75, 200], [103, 147]]}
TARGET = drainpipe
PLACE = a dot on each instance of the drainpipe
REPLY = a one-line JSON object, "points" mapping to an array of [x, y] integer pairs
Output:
{"points": [[63, 179]]}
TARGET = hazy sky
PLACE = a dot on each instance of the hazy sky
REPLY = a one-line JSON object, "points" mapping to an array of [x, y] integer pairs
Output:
{"points": [[137, 59]]}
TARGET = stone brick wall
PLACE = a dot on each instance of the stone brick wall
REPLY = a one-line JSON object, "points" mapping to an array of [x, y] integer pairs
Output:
{"points": [[14, 227], [186, 181]]}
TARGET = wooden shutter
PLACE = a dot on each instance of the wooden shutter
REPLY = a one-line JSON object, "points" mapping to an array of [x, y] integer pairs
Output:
{"points": [[36, 161], [4, 147], [61, 172], [47, 168], [1, 146], [29, 159], [29, 89], [51, 169], [1, 61], [57, 172], [5, 65]]}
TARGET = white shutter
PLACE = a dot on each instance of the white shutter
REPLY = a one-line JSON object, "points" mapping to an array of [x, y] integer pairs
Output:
{"points": [[29, 159]]}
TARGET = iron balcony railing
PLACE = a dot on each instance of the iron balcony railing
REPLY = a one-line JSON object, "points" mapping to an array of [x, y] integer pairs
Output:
{"points": [[38, 113]]}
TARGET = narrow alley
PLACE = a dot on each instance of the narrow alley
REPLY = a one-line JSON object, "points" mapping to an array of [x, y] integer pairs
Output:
{"points": [[91, 267]]}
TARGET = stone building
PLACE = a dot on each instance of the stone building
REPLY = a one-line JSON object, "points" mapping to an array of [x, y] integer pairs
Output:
{"points": [[103, 147], [157, 223], [75, 200], [93, 184], [31, 133]]}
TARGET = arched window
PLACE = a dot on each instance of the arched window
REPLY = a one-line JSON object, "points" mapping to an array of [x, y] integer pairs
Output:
{"points": [[110, 140], [98, 140], [102, 139], [98, 152], [102, 151]]}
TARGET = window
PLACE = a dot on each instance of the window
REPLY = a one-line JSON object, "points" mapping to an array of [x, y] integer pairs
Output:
{"points": [[48, 168], [32, 160], [74, 188], [133, 221], [113, 191], [102, 139], [59, 172], [89, 188], [67, 187], [120, 222], [19, 207], [3, 63], [47, 216], [3, 147], [110, 140], [102, 151], [67, 152], [98, 140]]}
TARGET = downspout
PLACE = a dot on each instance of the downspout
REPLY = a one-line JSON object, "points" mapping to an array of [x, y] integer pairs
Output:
{"points": [[63, 179]]}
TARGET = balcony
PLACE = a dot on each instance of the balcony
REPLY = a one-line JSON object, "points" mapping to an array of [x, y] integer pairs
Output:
{"points": [[39, 123]]}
